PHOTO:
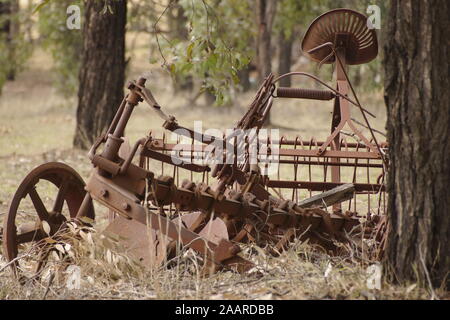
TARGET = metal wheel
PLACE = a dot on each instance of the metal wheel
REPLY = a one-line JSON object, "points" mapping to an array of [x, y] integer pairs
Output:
{"points": [[52, 192]]}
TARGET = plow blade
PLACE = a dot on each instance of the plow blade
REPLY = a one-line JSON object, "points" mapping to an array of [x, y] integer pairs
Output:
{"points": [[150, 247]]}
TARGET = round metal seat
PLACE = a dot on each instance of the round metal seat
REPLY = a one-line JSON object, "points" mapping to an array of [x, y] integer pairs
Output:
{"points": [[361, 46]]}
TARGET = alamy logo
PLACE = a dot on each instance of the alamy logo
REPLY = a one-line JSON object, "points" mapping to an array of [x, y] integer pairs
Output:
{"points": [[239, 147], [73, 21], [374, 20], [374, 273]]}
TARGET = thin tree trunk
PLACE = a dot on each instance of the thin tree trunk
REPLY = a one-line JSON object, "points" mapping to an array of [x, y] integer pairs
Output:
{"points": [[417, 70], [179, 30], [244, 78], [14, 29], [265, 14], [5, 30], [285, 58], [102, 71]]}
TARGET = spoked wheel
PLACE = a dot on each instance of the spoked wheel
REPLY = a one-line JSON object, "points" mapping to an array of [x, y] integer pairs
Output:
{"points": [[49, 195]]}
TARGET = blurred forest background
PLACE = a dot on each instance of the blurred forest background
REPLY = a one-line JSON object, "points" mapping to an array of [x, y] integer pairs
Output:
{"points": [[200, 54]]}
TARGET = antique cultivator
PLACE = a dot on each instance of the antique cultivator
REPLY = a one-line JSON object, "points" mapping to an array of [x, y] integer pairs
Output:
{"points": [[232, 201]]}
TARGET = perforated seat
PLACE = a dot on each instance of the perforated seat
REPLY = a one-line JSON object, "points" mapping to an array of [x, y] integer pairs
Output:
{"points": [[362, 46]]}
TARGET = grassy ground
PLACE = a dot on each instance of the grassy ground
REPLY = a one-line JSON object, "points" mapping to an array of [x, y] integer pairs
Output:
{"points": [[37, 125]]}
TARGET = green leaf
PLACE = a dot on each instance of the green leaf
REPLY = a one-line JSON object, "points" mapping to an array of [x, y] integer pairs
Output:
{"points": [[172, 68], [40, 6], [189, 50], [212, 61]]}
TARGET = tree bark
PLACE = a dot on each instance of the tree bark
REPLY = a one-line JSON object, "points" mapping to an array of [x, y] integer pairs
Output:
{"points": [[265, 14], [285, 58], [102, 71], [417, 70]]}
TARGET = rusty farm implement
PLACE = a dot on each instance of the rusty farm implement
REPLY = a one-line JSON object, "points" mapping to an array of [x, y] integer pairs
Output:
{"points": [[226, 198]]}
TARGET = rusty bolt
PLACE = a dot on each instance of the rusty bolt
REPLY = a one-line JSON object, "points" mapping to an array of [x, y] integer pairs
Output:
{"points": [[126, 206]]}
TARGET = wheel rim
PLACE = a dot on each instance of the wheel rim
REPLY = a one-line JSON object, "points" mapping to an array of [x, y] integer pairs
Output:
{"points": [[24, 229]]}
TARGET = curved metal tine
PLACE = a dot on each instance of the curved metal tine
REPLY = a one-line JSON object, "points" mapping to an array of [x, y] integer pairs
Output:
{"points": [[313, 141], [38, 204], [345, 143], [295, 190], [192, 158], [164, 151], [278, 173], [303, 147], [354, 175], [368, 179], [380, 195], [267, 162]]}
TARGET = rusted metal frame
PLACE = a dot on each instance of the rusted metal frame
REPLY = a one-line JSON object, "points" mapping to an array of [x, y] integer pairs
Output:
{"points": [[300, 93], [127, 205], [284, 152], [254, 117], [114, 140], [149, 153], [327, 154], [358, 104], [307, 143], [368, 181], [341, 114], [336, 92], [173, 126], [110, 130], [272, 214], [327, 163], [336, 195], [295, 191], [323, 186]]}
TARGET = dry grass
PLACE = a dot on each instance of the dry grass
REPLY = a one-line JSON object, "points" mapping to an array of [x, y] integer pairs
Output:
{"points": [[36, 126], [299, 273]]}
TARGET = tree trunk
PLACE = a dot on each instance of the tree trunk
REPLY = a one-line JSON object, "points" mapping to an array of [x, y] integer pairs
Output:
{"points": [[5, 32], [417, 62], [179, 30], [244, 79], [102, 71], [285, 58], [265, 14]]}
